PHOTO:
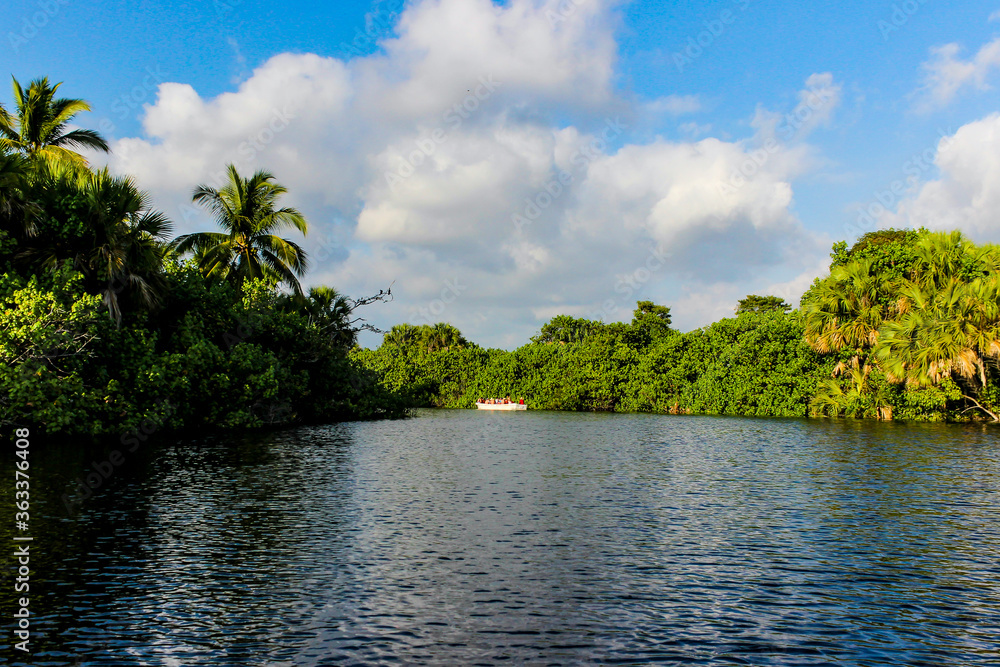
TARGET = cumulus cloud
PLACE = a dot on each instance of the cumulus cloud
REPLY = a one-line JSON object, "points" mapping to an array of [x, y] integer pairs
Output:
{"points": [[966, 196], [946, 74], [482, 162]]}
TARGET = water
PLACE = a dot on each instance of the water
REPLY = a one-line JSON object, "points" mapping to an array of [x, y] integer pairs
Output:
{"points": [[463, 538]]}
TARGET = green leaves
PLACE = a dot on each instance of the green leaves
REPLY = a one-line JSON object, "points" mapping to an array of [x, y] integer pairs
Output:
{"points": [[756, 364], [230, 353], [424, 339], [759, 304], [47, 338], [219, 361], [247, 211], [922, 308], [37, 128]]}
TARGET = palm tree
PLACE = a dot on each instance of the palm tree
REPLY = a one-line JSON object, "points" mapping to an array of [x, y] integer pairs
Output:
{"points": [[845, 313], [862, 395], [568, 329], [949, 318], [327, 309], [948, 332], [937, 321], [16, 211], [37, 128], [101, 225], [246, 209], [131, 241], [847, 309], [442, 336], [402, 335]]}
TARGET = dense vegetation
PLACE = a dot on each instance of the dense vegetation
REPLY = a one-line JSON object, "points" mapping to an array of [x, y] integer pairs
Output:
{"points": [[754, 364], [108, 324], [906, 326], [913, 321]]}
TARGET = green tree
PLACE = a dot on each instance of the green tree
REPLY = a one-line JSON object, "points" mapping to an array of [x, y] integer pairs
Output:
{"points": [[402, 336], [443, 336], [103, 226], [567, 329], [38, 126], [327, 309], [16, 211], [916, 309], [247, 210], [131, 242], [761, 304], [948, 326], [846, 310]]}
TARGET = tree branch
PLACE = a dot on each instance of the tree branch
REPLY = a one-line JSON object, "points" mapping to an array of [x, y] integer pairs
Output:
{"points": [[979, 405]]}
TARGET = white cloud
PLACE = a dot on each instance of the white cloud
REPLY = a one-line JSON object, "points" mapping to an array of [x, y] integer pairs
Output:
{"points": [[818, 101], [675, 105], [967, 194], [269, 120], [439, 163], [694, 130], [240, 60], [946, 74]]}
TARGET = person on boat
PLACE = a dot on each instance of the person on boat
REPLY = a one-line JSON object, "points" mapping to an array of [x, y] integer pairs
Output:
{"points": [[520, 401]]}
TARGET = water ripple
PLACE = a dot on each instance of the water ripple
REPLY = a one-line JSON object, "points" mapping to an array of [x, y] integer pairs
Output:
{"points": [[532, 538]]}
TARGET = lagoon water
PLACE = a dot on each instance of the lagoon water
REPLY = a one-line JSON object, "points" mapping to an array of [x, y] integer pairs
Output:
{"points": [[465, 538]]}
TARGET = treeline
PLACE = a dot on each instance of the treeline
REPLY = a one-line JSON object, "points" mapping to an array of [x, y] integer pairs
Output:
{"points": [[108, 324], [906, 326], [111, 323], [754, 364]]}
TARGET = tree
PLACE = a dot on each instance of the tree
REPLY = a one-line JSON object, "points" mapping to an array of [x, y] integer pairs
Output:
{"points": [[846, 310], [401, 336], [948, 326], [650, 323], [891, 246], [131, 242], [328, 310], [17, 212], [762, 304], [101, 225], [426, 338], [566, 329], [442, 336], [247, 210], [922, 309], [37, 128]]}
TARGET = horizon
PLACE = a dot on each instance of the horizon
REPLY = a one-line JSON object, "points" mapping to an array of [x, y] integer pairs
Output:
{"points": [[501, 164]]}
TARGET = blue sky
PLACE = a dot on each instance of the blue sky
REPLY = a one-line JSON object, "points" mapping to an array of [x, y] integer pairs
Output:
{"points": [[698, 89]]}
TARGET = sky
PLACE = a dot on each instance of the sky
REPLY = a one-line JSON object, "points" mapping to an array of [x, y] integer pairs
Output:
{"points": [[500, 163]]}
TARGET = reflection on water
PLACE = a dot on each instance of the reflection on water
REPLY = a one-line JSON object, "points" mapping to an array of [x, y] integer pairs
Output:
{"points": [[464, 537]]}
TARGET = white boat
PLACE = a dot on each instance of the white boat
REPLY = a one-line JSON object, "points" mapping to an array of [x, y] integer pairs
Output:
{"points": [[501, 406]]}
